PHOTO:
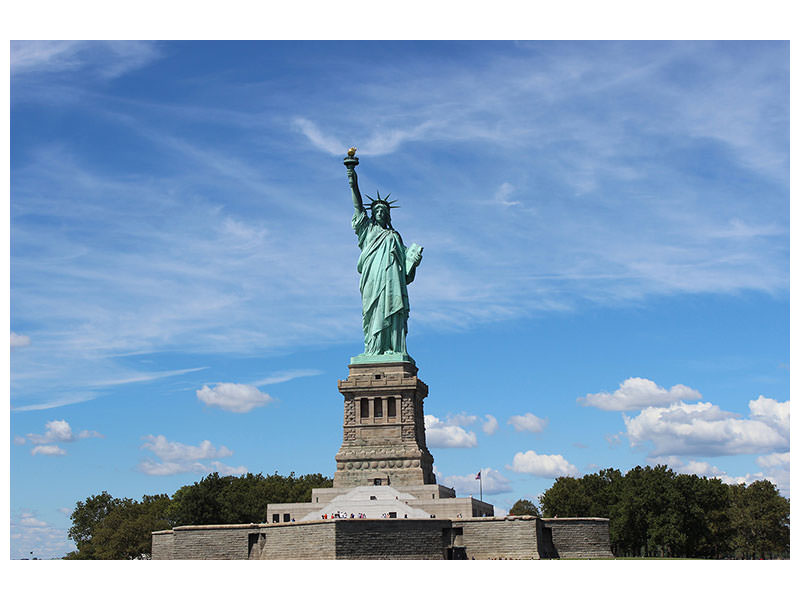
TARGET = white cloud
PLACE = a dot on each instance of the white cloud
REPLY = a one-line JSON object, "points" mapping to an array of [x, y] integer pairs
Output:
{"points": [[284, 376], [460, 419], [19, 341], [57, 431], [613, 440], [490, 425], [224, 469], [33, 537], [321, 140], [778, 476], [636, 393], [443, 434], [166, 450], [48, 450], [107, 59], [176, 457], [502, 194], [778, 459], [65, 400], [528, 422], [141, 377], [235, 397], [771, 412], [542, 465], [706, 430], [493, 482]]}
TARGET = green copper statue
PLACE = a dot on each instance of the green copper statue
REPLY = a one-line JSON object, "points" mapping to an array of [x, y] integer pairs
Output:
{"points": [[386, 268]]}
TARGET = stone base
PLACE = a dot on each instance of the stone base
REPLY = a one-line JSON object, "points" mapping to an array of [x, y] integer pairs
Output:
{"points": [[428, 538], [384, 428]]}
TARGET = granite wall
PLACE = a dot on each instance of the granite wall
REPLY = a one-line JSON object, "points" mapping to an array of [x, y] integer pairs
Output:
{"points": [[578, 537], [491, 538], [414, 539]]}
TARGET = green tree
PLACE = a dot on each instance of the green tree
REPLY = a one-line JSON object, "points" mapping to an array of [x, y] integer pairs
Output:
{"points": [[524, 507], [86, 517], [221, 500], [760, 518], [126, 532]]}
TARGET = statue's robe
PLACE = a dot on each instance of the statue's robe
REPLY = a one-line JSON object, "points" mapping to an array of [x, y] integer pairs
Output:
{"points": [[384, 295]]}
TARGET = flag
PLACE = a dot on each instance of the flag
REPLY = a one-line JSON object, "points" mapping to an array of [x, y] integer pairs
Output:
{"points": [[478, 476]]}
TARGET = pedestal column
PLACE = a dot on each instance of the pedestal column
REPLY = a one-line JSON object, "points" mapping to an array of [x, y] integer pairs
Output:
{"points": [[384, 427]]}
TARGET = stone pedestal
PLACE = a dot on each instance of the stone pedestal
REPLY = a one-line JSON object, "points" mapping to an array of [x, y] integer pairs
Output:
{"points": [[384, 428]]}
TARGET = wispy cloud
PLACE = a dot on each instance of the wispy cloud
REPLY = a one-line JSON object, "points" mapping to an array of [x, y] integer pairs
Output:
{"points": [[180, 247], [106, 59], [285, 376], [19, 341], [146, 377], [33, 537]]}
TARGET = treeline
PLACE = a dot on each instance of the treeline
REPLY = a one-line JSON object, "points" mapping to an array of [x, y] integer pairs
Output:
{"points": [[654, 512], [104, 527]]}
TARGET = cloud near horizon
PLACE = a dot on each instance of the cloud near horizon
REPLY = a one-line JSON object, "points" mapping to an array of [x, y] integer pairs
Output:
{"points": [[493, 482]]}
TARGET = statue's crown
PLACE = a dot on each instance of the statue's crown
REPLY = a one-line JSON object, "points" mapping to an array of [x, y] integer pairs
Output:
{"points": [[384, 201]]}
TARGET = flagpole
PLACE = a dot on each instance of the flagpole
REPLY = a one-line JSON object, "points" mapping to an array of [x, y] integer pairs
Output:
{"points": [[480, 481]]}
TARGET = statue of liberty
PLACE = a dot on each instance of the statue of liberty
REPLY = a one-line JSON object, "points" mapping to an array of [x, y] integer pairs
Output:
{"points": [[386, 267]]}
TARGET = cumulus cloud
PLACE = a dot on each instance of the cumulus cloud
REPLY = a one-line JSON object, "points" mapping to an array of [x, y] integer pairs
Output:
{"points": [[528, 422], [542, 465], [636, 393], [493, 482], [489, 425], [777, 459], [19, 341], [771, 412], [175, 457], [706, 430], [57, 431], [235, 397], [447, 434]]}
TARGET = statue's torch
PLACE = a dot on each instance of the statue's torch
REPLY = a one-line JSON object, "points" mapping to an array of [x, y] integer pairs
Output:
{"points": [[351, 160]]}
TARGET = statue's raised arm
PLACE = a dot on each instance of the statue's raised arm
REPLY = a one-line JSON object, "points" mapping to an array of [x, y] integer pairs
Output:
{"points": [[386, 267], [350, 162]]}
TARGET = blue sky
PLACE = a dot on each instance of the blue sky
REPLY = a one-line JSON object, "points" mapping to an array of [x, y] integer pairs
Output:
{"points": [[605, 280]]}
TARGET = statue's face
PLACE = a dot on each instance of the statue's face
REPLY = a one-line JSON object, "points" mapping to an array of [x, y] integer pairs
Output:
{"points": [[381, 215]]}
